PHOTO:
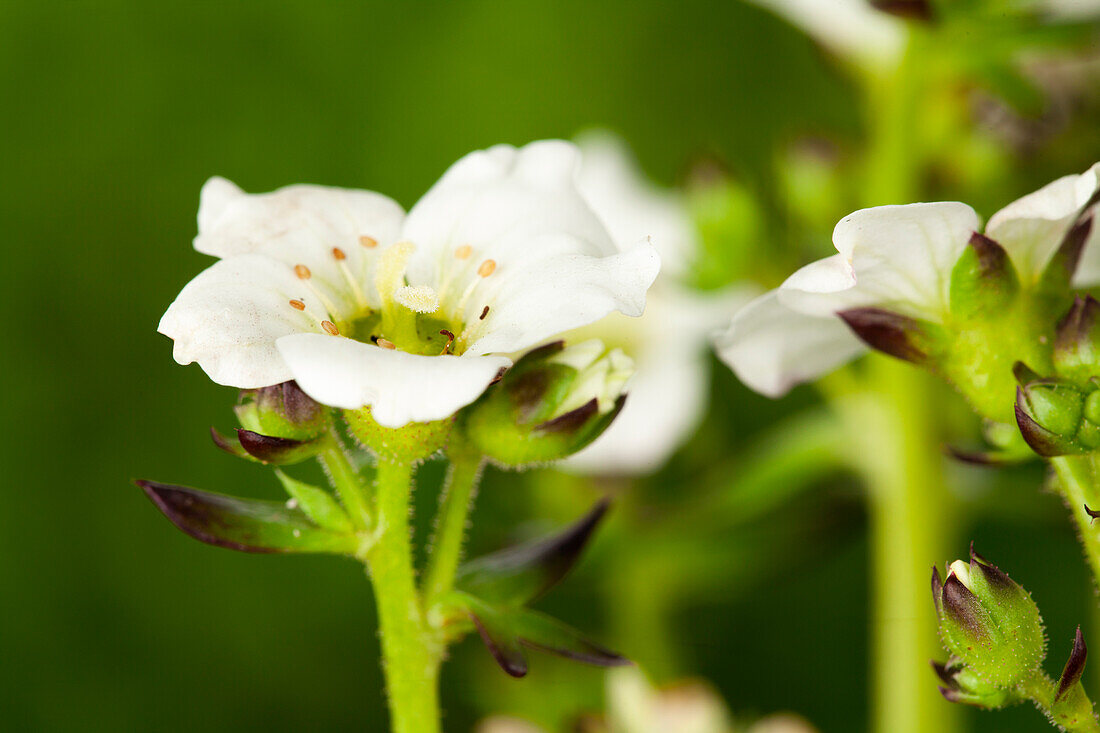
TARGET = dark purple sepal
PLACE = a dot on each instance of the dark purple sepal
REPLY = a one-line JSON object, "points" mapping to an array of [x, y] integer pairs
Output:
{"points": [[1074, 668], [247, 525], [277, 451], [519, 575], [231, 445], [1077, 341], [501, 642], [937, 589], [960, 604], [910, 9], [571, 421], [1024, 374], [891, 333], [986, 458]]}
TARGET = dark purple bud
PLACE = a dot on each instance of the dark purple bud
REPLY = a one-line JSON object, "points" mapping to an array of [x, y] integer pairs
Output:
{"points": [[1075, 667]]}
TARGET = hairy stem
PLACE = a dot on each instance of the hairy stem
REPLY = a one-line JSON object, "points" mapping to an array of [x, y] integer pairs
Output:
{"points": [[459, 491], [409, 651], [1077, 484], [347, 483]]}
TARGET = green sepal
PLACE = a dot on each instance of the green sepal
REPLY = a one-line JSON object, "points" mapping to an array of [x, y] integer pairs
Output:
{"points": [[231, 445], [518, 575], [317, 504], [1077, 341], [961, 685], [247, 525], [410, 443], [1071, 703], [506, 631], [1053, 417], [983, 281]]}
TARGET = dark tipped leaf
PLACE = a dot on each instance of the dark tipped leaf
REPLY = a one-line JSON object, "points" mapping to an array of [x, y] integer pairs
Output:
{"points": [[499, 637], [279, 451], [317, 504], [248, 525], [520, 574], [995, 457], [540, 631], [1075, 667]]}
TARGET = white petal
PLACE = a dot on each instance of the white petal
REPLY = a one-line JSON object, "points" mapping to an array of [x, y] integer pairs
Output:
{"points": [[1031, 228], [631, 207], [398, 387], [897, 257], [230, 315], [507, 228], [670, 345], [233, 222], [557, 294], [771, 348]]}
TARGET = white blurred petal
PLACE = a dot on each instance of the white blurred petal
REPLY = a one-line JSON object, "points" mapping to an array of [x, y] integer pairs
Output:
{"points": [[398, 387], [631, 207], [771, 348], [670, 345], [1032, 227], [850, 28], [230, 315], [896, 257]]}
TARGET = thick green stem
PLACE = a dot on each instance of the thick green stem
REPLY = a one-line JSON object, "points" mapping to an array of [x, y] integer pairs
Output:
{"points": [[1077, 483], [891, 427], [1077, 718], [450, 532], [409, 651]]}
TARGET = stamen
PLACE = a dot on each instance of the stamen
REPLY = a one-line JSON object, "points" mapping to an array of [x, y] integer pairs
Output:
{"points": [[339, 253], [385, 344], [297, 305], [450, 340], [486, 268], [330, 327], [302, 272], [484, 312], [464, 252], [368, 242]]}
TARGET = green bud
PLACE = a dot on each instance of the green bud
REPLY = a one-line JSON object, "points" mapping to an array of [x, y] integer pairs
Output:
{"points": [[1053, 419], [983, 280], [989, 623], [1077, 343], [281, 411], [553, 402]]}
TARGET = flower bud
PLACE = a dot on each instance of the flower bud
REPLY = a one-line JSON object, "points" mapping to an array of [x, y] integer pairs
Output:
{"points": [[1054, 417], [989, 623], [553, 402], [281, 411]]}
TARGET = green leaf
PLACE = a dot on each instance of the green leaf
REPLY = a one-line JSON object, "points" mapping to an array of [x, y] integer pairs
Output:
{"points": [[317, 504], [518, 575], [506, 631], [248, 525]]}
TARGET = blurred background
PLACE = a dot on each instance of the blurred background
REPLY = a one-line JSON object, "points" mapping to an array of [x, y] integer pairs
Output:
{"points": [[115, 113]]}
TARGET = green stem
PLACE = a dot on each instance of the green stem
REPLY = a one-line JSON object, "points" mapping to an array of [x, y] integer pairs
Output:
{"points": [[1073, 713], [409, 651], [894, 444], [463, 477], [1077, 483], [347, 483]]}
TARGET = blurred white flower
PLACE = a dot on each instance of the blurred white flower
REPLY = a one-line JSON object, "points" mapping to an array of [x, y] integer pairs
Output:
{"points": [[634, 706], [849, 28], [897, 258], [667, 395], [413, 314]]}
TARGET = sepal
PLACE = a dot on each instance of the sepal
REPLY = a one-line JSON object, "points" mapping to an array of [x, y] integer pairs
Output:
{"points": [[983, 281], [1071, 704], [278, 451], [1054, 416], [247, 525], [891, 333], [552, 403], [961, 685], [521, 574], [1077, 341]]}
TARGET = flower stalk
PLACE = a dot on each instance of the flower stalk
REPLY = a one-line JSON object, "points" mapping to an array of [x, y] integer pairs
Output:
{"points": [[463, 477]]}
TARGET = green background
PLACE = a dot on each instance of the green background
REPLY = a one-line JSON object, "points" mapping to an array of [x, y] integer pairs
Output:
{"points": [[114, 113]]}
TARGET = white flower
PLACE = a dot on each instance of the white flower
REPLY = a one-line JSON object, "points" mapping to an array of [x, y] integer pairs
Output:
{"points": [[411, 315], [898, 258], [634, 706], [667, 395]]}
